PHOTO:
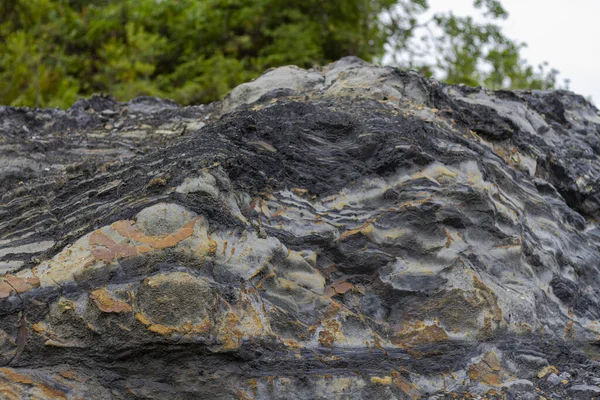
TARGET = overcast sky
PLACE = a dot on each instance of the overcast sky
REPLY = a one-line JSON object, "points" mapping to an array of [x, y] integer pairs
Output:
{"points": [[564, 33]]}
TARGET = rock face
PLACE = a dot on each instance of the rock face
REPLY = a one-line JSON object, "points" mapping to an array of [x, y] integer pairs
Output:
{"points": [[351, 232]]}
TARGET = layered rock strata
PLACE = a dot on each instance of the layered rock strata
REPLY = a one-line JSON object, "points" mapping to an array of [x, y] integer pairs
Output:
{"points": [[350, 231]]}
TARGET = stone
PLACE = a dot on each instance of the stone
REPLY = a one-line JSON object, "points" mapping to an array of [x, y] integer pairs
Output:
{"points": [[520, 385], [349, 231], [550, 369], [565, 376], [290, 78], [584, 392], [520, 389], [551, 381]]}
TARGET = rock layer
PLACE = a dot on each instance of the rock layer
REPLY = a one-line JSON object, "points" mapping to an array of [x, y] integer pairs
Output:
{"points": [[351, 231]]}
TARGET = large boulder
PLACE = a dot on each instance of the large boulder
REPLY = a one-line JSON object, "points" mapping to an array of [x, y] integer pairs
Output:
{"points": [[350, 231]]}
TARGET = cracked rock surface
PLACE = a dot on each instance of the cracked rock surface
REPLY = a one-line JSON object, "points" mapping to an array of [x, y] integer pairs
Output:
{"points": [[351, 232]]}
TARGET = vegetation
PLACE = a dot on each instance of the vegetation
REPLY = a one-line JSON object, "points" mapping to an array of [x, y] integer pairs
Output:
{"points": [[194, 51]]}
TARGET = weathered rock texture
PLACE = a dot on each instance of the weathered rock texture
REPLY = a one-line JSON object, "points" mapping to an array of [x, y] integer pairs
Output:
{"points": [[351, 232]]}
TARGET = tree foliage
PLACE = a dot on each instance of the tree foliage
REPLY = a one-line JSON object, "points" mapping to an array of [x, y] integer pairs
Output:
{"points": [[194, 51], [459, 49]]}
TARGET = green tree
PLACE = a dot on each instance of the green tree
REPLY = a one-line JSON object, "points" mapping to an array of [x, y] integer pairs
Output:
{"points": [[461, 50], [195, 51]]}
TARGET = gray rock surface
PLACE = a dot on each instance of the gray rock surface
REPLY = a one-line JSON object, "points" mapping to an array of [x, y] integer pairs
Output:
{"points": [[584, 392], [350, 231]]}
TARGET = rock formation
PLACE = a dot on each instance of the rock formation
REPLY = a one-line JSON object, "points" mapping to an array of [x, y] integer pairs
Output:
{"points": [[351, 232]]}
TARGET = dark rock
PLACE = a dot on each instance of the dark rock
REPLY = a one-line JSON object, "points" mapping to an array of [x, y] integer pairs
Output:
{"points": [[520, 389], [350, 231]]}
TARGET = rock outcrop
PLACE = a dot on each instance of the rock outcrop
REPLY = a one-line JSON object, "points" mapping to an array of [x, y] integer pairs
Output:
{"points": [[351, 231]]}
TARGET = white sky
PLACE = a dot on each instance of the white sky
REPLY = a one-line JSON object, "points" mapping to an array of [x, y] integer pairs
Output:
{"points": [[564, 33]]}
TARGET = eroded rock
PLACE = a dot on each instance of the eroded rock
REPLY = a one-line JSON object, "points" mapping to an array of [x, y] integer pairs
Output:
{"points": [[350, 231]]}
